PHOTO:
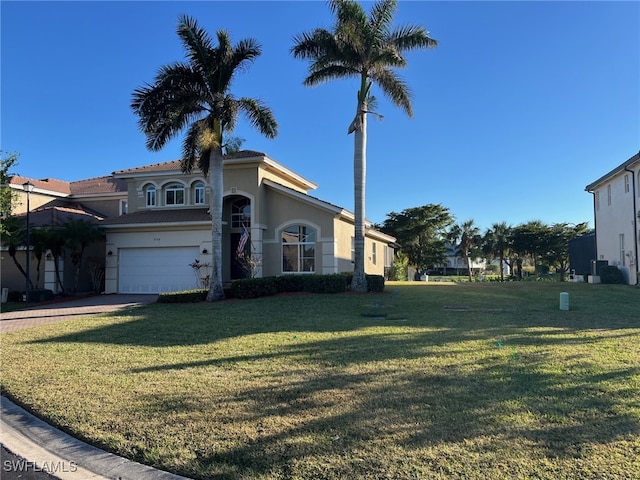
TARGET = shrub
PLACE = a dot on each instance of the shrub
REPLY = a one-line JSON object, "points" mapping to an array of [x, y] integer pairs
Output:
{"points": [[289, 283], [611, 274], [40, 295], [253, 287], [375, 283], [334, 283], [187, 296]]}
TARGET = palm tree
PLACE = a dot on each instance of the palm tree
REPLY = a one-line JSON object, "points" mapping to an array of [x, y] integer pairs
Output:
{"points": [[496, 243], [195, 96], [466, 237], [79, 234], [367, 48]]}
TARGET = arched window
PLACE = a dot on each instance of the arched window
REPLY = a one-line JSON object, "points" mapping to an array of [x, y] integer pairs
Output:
{"points": [[198, 194], [150, 196], [298, 249], [174, 195], [241, 213]]}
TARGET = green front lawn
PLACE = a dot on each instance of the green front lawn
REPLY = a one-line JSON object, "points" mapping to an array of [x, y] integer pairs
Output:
{"points": [[425, 381]]}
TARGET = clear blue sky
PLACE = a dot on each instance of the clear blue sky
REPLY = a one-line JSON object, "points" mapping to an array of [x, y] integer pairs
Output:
{"points": [[518, 109]]}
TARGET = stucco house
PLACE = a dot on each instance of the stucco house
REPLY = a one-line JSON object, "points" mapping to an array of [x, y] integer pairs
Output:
{"points": [[616, 209], [158, 226]]}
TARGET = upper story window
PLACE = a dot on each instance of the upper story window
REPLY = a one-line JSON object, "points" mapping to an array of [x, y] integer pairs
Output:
{"points": [[374, 254], [174, 195], [241, 213], [150, 196], [298, 249], [124, 205], [626, 183], [198, 194], [609, 194]]}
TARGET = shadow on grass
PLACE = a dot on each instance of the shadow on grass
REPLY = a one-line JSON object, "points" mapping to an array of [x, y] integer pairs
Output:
{"points": [[440, 378]]}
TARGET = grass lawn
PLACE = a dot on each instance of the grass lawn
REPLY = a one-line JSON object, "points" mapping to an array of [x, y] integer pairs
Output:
{"points": [[424, 381]]}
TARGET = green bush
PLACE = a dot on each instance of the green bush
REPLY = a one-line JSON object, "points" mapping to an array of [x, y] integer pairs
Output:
{"points": [[289, 283], [611, 274], [334, 283], [187, 296], [375, 283], [253, 287]]}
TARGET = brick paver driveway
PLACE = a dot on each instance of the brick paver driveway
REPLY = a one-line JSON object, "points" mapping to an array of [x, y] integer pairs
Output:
{"points": [[77, 307]]}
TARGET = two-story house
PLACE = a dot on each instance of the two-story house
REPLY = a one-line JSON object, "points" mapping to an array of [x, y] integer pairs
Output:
{"points": [[616, 209], [168, 227], [158, 228]]}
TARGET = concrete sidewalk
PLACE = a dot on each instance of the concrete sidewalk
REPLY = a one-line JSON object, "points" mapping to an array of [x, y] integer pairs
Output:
{"points": [[45, 450]]}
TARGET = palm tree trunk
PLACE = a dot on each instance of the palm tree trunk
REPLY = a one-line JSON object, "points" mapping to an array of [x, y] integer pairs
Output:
{"points": [[216, 290], [359, 282], [469, 268]]}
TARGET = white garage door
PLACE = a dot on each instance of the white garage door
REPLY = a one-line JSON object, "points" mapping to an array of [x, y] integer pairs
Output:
{"points": [[156, 270]]}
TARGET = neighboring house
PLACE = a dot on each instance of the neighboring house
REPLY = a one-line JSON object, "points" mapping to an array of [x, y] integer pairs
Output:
{"points": [[168, 227], [616, 208], [158, 226], [53, 203]]}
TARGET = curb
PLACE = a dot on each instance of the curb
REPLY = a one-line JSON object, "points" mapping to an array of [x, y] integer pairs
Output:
{"points": [[58, 453]]}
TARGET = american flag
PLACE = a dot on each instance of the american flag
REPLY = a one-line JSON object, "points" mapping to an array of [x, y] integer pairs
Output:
{"points": [[243, 241]]}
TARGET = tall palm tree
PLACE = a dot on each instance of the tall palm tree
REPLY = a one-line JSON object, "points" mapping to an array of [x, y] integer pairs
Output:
{"points": [[367, 48], [466, 237], [496, 243], [195, 96]]}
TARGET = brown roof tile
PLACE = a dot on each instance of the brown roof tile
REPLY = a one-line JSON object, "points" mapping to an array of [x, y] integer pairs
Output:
{"points": [[51, 184], [184, 215], [61, 214], [174, 165], [98, 185]]}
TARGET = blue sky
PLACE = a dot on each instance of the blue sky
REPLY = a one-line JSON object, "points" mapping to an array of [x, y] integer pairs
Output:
{"points": [[518, 109]]}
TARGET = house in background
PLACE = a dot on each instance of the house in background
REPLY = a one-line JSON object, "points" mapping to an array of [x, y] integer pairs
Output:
{"points": [[53, 203], [168, 227], [158, 226], [616, 208]]}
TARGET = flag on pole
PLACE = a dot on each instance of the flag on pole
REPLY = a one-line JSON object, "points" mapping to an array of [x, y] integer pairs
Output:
{"points": [[243, 241]]}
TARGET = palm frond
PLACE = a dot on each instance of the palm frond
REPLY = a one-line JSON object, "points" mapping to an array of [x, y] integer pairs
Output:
{"points": [[394, 88], [196, 41], [381, 16], [332, 72], [411, 37], [260, 116]]}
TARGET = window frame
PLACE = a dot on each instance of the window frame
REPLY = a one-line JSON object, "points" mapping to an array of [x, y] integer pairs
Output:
{"points": [[175, 189], [151, 196], [305, 250], [198, 190]]}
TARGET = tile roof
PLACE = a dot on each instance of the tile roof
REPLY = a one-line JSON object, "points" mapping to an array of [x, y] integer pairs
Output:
{"points": [[174, 165], [50, 184], [107, 184], [182, 215], [60, 214]]}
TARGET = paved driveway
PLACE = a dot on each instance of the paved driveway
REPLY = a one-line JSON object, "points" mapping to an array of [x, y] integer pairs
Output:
{"points": [[74, 308]]}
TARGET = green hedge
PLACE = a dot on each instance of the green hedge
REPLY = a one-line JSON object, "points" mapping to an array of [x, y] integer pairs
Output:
{"points": [[187, 296], [375, 283], [611, 274], [253, 288], [334, 283], [262, 287]]}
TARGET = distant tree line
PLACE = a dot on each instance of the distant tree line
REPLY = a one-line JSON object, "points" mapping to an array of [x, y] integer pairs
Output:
{"points": [[425, 234]]}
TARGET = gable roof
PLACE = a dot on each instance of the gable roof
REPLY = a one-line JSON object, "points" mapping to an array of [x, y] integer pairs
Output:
{"points": [[615, 171]]}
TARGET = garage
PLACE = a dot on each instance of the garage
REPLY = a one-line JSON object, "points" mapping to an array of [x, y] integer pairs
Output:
{"points": [[156, 270]]}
